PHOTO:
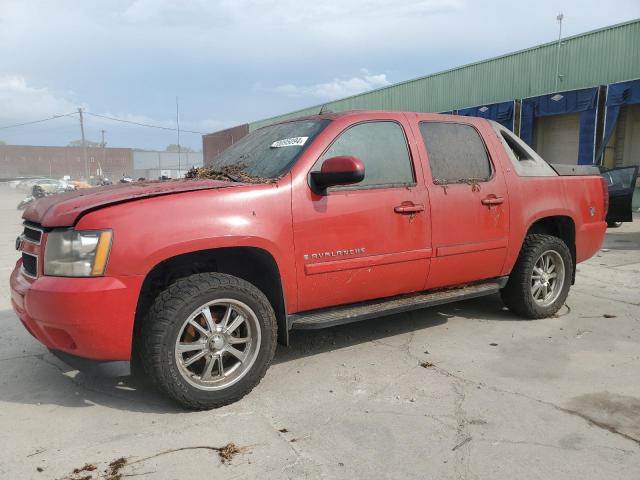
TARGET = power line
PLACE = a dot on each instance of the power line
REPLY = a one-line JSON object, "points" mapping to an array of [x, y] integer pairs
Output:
{"points": [[38, 121], [142, 124]]}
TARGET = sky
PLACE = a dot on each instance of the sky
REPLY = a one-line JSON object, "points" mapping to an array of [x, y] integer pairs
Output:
{"points": [[234, 61]]}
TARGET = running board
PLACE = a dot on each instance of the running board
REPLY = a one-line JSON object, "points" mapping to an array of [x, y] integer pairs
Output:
{"points": [[329, 317]]}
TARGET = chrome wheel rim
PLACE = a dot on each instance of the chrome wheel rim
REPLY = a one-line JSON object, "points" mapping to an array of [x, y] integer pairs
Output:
{"points": [[547, 278], [218, 344]]}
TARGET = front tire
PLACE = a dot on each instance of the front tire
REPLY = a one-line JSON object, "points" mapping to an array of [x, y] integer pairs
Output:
{"points": [[208, 340], [539, 283]]}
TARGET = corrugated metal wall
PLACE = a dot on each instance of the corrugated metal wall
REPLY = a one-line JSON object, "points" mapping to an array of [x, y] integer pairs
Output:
{"points": [[153, 164], [145, 159], [599, 57]]}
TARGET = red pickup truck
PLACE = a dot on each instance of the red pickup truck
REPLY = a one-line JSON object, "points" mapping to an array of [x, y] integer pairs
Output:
{"points": [[309, 223]]}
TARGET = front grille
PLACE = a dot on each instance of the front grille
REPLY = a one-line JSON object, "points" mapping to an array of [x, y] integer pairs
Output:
{"points": [[29, 264], [32, 233]]}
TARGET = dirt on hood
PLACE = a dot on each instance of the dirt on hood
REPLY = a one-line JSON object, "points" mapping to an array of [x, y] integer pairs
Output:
{"points": [[235, 173]]}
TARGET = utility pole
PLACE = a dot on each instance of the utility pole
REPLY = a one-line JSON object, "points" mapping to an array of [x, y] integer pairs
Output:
{"points": [[559, 19], [103, 144], [178, 128], [84, 147]]}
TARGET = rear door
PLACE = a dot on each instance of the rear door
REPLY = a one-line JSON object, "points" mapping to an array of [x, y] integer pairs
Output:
{"points": [[621, 183], [469, 203]]}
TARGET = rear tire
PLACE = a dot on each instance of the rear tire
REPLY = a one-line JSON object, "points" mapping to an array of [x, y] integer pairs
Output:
{"points": [[614, 224], [208, 340], [539, 283]]}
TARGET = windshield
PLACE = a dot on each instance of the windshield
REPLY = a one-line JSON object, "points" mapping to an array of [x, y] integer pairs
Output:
{"points": [[270, 151]]}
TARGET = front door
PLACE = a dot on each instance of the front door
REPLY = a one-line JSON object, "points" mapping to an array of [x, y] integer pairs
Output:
{"points": [[469, 205], [371, 239]]}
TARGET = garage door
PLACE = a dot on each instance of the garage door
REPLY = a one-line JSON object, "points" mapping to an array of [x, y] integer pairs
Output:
{"points": [[627, 142], [627, 137], [556, 138]]}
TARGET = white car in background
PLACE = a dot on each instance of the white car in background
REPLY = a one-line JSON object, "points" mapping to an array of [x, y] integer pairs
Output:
{"points": [[49, 185]]}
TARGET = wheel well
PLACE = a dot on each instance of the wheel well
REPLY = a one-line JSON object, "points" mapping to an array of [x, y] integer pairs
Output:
{"points": [[254, 265], [562, 227]]}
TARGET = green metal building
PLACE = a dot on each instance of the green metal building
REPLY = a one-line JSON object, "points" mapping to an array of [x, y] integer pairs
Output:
{"points": [[599, 57], [587, 113]]}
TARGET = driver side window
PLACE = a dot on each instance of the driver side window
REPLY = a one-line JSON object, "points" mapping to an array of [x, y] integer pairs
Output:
{"points": [[383, 149]]}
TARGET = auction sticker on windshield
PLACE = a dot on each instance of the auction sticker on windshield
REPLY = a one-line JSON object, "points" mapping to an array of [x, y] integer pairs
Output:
{"points": [[290, 142]]}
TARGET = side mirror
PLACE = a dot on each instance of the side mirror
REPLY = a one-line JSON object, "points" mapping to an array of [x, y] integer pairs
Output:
{"points": [[342, 170]]}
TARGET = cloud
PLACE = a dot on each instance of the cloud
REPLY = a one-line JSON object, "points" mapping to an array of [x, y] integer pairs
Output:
{"points": [[133, 57], [337, 88], [187, 125], [169, 12], [22, 102], [200, 13]]}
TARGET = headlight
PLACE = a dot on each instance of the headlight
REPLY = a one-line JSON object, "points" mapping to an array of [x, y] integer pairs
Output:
{"points": [[73, 253]]}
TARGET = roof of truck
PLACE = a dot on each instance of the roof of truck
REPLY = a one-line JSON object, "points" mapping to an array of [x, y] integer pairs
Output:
{"points": [[349, 113]]}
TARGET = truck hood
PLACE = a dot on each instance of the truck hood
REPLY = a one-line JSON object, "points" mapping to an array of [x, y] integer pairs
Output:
{"points": [[64, 209]]}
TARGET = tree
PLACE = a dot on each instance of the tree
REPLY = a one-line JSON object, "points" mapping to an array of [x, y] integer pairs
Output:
{"points": [[2, 143], [88, 143], [174, 148]]}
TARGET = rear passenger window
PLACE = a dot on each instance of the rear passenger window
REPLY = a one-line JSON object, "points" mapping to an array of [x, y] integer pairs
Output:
{"points": [[456, 152], [383, 149]]}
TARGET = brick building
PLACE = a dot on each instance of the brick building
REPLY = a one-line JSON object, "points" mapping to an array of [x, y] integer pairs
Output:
{"points": [[56, 162], [215, 143]]}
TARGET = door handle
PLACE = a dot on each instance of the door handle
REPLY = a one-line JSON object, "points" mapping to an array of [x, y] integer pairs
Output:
{"points": [[492, 200], [409, 208]]}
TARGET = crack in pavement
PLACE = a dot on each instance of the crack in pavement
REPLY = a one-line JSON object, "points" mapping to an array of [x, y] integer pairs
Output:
{"points": [[549, 445], [595, 422], [461, 448], [18, 357], [405, 347], [299, 455], [436, 418], [581, 415], [591, 294]]}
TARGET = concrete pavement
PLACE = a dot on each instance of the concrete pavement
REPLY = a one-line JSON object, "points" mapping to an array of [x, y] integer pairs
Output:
{"points": [[466, 390]]}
